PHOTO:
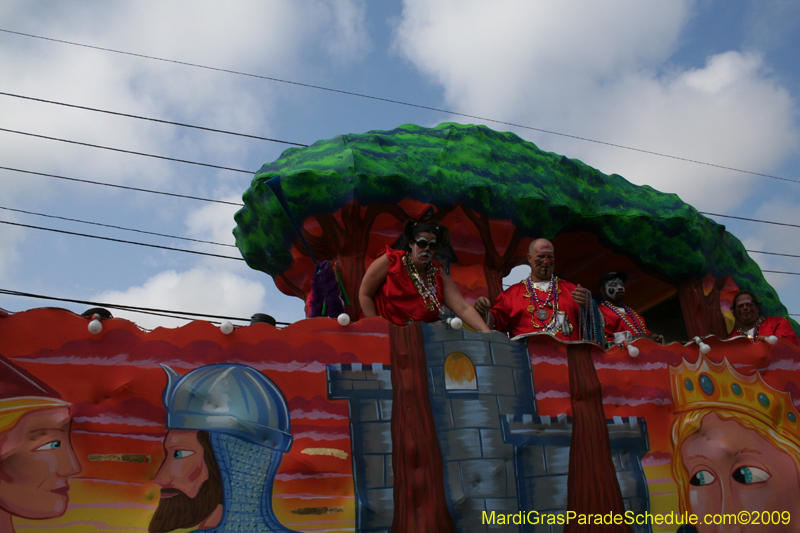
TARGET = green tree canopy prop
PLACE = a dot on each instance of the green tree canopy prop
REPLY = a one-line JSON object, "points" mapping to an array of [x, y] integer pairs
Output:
{"points": [[505, 190]]}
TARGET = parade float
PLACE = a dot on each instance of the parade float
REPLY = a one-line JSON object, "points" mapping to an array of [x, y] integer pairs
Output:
{"points": [[371, 427]]}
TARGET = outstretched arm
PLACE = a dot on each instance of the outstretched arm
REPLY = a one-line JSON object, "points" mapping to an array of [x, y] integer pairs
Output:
{"points": [[373, 278], [457, 304]]}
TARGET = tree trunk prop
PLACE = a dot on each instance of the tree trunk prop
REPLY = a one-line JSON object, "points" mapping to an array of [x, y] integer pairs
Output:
{"points": [[420, 505], [495, 265], [702, 313], [592, 485]]}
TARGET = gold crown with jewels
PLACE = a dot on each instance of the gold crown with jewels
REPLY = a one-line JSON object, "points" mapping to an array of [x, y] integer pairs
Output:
{"points": [[709, 385]]}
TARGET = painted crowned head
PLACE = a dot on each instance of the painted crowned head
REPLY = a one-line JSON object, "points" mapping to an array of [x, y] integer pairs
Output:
{"points": [[736, 442]]}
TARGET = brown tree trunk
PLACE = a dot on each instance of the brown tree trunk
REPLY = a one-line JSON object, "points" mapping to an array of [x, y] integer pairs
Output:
{"points": [[495, 266], [494, 282], [592, 485], [420, 505], [702, 314]]}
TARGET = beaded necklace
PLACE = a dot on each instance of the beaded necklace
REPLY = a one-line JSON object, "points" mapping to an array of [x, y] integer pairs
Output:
{"points": [[742, 331], [633, 320], [537, 307], [426, 288]]}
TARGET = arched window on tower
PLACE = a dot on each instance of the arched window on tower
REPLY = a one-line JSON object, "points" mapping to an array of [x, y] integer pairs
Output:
{"points": [[459, 373]]}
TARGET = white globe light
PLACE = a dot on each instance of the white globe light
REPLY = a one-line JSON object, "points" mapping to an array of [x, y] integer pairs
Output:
{"points": [[772, 339], [226, 327], [95, 327], [704, 348], [456, 323], [633, 351], [343, 319]]}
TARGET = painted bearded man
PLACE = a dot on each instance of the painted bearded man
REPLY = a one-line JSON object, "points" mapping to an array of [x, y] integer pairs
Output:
{"points": [[617, 316], [228, 427], [750, 323], [541, 303]]}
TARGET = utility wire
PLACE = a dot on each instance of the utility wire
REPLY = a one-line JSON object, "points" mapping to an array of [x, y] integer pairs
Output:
{"points": [[241, 259], [116, 227], [152, 119], [121, 240], [241, 205], [127, 151], [138, 189], [396, 102], [145, 310]]}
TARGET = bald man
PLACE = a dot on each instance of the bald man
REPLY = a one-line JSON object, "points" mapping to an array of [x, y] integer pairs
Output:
{"points": [[541, 303]]}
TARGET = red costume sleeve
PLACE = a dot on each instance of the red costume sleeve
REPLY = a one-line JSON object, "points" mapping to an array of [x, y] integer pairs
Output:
{"points": [[780, 327]]}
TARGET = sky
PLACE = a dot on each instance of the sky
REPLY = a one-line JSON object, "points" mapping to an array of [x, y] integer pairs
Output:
{"points": [[709, 80]]}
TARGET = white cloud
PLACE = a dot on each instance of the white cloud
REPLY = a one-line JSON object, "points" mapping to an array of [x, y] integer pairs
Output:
{"points": [[602, 71], [200, 290], [214, 222]]}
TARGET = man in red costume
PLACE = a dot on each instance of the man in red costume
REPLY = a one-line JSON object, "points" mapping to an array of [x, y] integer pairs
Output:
{"points": [[750, 323], [616, 315], [542, 303]]}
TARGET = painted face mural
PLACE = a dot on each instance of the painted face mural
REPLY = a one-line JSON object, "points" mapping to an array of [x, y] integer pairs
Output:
{"points": [[190, 483], [733, 469], [36, 460], [615, 290]]}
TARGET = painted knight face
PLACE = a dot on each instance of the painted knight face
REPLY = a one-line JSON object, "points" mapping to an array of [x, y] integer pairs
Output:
{"points": [[36, 458], [615, 290], [423, 248], [542, 258], [188, 495]]}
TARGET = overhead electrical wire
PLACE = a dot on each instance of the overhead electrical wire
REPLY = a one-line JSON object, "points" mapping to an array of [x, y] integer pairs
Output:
{"points": [[135, 309], [396, 102], [161, 121], [126, 151], [125, 187], [116, 227], [121, 240]]}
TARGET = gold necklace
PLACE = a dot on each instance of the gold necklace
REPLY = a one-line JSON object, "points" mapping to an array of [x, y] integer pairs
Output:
{"points": [[426, 288]]}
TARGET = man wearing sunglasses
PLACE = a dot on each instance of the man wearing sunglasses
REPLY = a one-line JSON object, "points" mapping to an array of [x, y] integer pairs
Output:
{"points": [[541, 303], [407, 285]]}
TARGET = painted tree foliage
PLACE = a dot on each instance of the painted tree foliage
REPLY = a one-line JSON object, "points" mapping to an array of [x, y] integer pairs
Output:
{"points": [[351, 194]]}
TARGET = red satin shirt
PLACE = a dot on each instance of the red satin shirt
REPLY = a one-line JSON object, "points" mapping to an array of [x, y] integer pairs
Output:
{"points": [[511, 313], [398, 300]]}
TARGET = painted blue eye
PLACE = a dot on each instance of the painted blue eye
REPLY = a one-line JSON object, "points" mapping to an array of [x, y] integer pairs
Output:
{"points": [[55, 445], [182, 454], [750, 474], [703, 477]]}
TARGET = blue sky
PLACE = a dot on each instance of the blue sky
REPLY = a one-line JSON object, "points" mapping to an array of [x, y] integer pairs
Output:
{"points": [[712, 81]]}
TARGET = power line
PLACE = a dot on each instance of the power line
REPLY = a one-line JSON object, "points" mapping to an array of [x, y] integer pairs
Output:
{"points": [[397, 102], [116, 227], [751, 220], [153, 119], [138, 189], [151, 191], [145, 310], [127, 151], [241, 259], [121, 240]]}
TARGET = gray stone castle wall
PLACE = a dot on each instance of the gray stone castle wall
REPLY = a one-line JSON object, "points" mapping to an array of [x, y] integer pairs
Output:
{"points": [[498, 454]]}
